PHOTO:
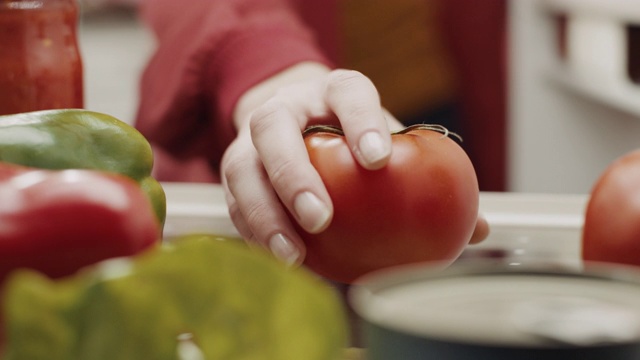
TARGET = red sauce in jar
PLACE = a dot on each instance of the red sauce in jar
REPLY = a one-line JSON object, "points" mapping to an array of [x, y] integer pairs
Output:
{"points": [[40, 63]]}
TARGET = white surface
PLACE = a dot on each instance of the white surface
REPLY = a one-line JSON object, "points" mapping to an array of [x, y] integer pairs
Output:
{"points": [[569, 119], [616, 9], [196, 208], [527, 225], [523, 226]]}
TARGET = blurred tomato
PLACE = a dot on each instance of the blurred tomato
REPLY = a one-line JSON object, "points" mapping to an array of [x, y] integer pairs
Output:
{"points": [[422, 206], [611, 231], [58, 222]]}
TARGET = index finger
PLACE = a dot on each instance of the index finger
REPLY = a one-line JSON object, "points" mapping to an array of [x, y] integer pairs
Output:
{"points": [[355, 101]]}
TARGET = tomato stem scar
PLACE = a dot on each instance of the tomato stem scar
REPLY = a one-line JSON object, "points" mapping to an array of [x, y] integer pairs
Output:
{"points": [[332, 129]]}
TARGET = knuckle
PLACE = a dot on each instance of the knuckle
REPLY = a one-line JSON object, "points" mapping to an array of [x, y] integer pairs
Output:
{"points": [[356, 112], [233, 209], [229, 155], [239, 222], [235, 215], [256, 215], [232, 171], [235, 171], [266, 115], [344, 79], [282, 173]]}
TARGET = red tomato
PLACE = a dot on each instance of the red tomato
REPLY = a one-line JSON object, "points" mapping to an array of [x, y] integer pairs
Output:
{"points": [[611, 231], [422, 206]]}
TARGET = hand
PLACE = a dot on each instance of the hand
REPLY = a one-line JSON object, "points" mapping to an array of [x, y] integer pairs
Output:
{"points": [[267, 168], [481, 230]]}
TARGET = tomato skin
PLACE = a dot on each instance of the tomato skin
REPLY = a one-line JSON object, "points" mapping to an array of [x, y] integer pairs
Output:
{"points": [[611, 231], [422, 206]]}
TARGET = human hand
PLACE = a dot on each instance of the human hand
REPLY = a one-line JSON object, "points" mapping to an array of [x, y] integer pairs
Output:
{"points": [[267, 169]]}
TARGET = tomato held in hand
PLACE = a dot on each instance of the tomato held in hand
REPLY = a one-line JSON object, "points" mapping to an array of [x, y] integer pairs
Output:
{"points": [[611, 231], [422, 206]]}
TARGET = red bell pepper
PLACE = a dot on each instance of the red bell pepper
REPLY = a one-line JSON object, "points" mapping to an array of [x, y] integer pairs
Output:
{"points": [[58, 222]]}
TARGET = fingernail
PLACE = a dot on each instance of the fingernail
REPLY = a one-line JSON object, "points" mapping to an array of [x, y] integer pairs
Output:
{"points": [[372, 148], [312, 213], [284, 249]]}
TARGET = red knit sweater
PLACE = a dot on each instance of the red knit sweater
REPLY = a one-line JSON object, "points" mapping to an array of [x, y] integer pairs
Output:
{"points": [[209, 52]]}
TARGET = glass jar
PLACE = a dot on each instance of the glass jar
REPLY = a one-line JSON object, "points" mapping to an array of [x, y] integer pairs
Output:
{"points": [[40, 63]]}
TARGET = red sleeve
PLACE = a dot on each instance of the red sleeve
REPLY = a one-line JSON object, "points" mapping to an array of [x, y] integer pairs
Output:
{"points": [[477, 35], [209, 52]]}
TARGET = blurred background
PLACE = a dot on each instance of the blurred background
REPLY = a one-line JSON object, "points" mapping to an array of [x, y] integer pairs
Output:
{"points": [[544, 92], [115, 47]]}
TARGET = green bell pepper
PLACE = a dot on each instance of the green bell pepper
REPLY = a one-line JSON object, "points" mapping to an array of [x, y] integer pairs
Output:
{"points": [[80, 139]]}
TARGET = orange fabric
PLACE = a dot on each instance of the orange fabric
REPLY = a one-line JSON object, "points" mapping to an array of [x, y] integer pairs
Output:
{"points": [[399, 45]]}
